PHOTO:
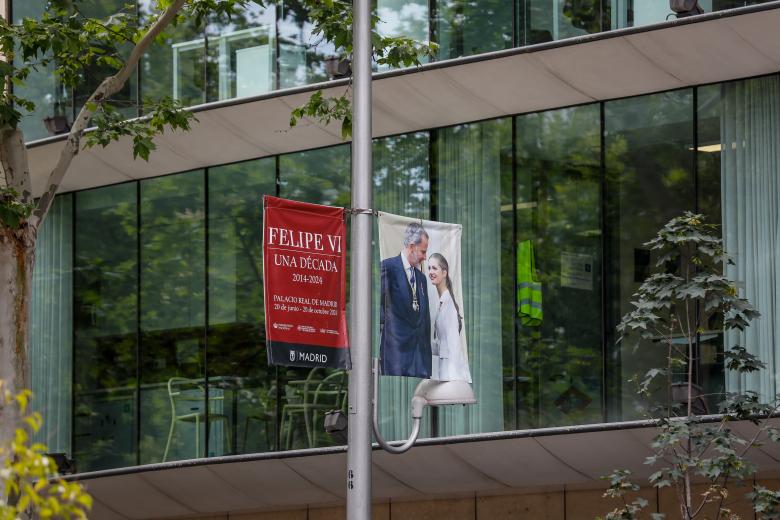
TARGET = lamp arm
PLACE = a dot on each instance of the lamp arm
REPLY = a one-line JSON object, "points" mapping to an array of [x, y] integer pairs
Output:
{"points": [[416, 415]]}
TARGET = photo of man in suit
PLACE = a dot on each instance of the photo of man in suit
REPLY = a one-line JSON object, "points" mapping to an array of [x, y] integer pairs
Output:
{"points": [[405, 322]]}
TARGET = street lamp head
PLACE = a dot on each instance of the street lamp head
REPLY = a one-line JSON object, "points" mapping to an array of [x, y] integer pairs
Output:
{"points": [[437, 393]]}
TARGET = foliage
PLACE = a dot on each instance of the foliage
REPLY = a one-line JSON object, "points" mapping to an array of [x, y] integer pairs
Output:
{"points": [[13, 212], [332, 20], [620, 485], [64, 39], [326, 109], [687, 293], [29, 479], [110, 125], [75, 46]]}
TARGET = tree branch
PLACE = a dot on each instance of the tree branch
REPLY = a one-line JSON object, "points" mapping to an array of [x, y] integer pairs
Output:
{"points": [[13, 161], [105, 90]]}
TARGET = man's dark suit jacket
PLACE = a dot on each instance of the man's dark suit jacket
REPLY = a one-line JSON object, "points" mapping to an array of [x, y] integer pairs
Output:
{"points": [[405, 342]]}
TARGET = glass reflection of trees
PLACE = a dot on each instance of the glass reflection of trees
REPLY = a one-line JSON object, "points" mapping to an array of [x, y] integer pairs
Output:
{"points": [[172, 307], [558, 208], [105, 315], [237, 359], [464, 28], [649, 180], [319, 176]]}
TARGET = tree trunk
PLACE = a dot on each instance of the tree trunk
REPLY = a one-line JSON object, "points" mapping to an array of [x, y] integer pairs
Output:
{"points": [[17, 254]]}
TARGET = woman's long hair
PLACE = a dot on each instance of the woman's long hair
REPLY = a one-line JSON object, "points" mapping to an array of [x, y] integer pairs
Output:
{"points": [[446, 266]]}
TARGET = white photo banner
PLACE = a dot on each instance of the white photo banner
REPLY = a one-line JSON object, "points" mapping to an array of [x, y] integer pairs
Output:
{"points": [[422, 326]]}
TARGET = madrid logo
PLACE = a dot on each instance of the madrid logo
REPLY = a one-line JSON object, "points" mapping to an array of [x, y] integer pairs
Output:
{"points": [[292, 355]]}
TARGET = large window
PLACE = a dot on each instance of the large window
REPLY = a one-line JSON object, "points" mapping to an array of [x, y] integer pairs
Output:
{"points": [[469, 161], [169, 360], [648, 164], [172, 314], [105, 311], [51, 326], [263, 49], [558, 245], [321, 177], [237, 365]]}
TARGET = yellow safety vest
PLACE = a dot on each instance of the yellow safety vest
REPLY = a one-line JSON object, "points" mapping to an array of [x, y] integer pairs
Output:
{"points": [[529, 289]]}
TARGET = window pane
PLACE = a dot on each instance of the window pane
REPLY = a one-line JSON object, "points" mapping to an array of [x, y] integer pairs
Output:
{"points": [[301, 53], [544, 21], [559, 246], [106, 322], [241, 56], [403, 18], [176, 68], [401, 186], [238, 368], [51, 326], [322, 177], [710, 369], [633, 13], [53, 113], [172, 320], [94, 74], [465, 28], [408, 18], [649, 180], [319, 176], [469, 160], [750, 153]]}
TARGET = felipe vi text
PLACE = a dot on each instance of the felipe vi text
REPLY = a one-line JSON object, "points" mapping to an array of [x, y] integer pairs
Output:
{"points": [[302, 239]]}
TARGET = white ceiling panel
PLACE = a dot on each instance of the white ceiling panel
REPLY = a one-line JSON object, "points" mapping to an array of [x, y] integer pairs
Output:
{"points": [[477, 464], [597, 454], [760, 31], [201, 489], [510, 85], [703, 53], [327, 472], [100, 511], [434, 470], [607, 69], [133, 497], [273, 482], [518, 463], [387, 486]]}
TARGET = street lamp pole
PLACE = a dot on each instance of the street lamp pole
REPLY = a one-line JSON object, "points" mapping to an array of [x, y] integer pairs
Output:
{"points": [[360, 416]]}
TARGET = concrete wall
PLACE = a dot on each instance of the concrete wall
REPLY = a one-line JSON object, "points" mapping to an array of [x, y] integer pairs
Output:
{"points": [[584, 504]]}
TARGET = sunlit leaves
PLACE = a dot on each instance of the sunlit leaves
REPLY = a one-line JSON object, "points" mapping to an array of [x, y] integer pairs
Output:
{"points": [[326, 109], [620, 484], [111, 126], [30, 477], [766, 502]]}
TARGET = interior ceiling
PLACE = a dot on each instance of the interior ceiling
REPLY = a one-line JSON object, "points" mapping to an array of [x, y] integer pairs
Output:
{"points": [[710, 48], [481, 464]]}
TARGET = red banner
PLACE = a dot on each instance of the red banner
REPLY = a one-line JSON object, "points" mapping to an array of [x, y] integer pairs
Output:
{"points": [[304, 266]]}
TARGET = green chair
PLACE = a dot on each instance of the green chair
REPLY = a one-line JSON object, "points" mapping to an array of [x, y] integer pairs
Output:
{"points": [[314, 397], [188, 401]]}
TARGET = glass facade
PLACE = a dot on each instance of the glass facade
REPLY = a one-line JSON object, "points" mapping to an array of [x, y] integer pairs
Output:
{"points": [[164, 279], [264, 49]]}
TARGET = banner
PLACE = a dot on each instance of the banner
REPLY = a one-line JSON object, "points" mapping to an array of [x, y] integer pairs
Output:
{"points": [[304, 260], [422, 325]]}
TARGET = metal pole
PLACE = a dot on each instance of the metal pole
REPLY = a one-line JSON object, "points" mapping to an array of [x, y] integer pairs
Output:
{"points": [[359, 430]]}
